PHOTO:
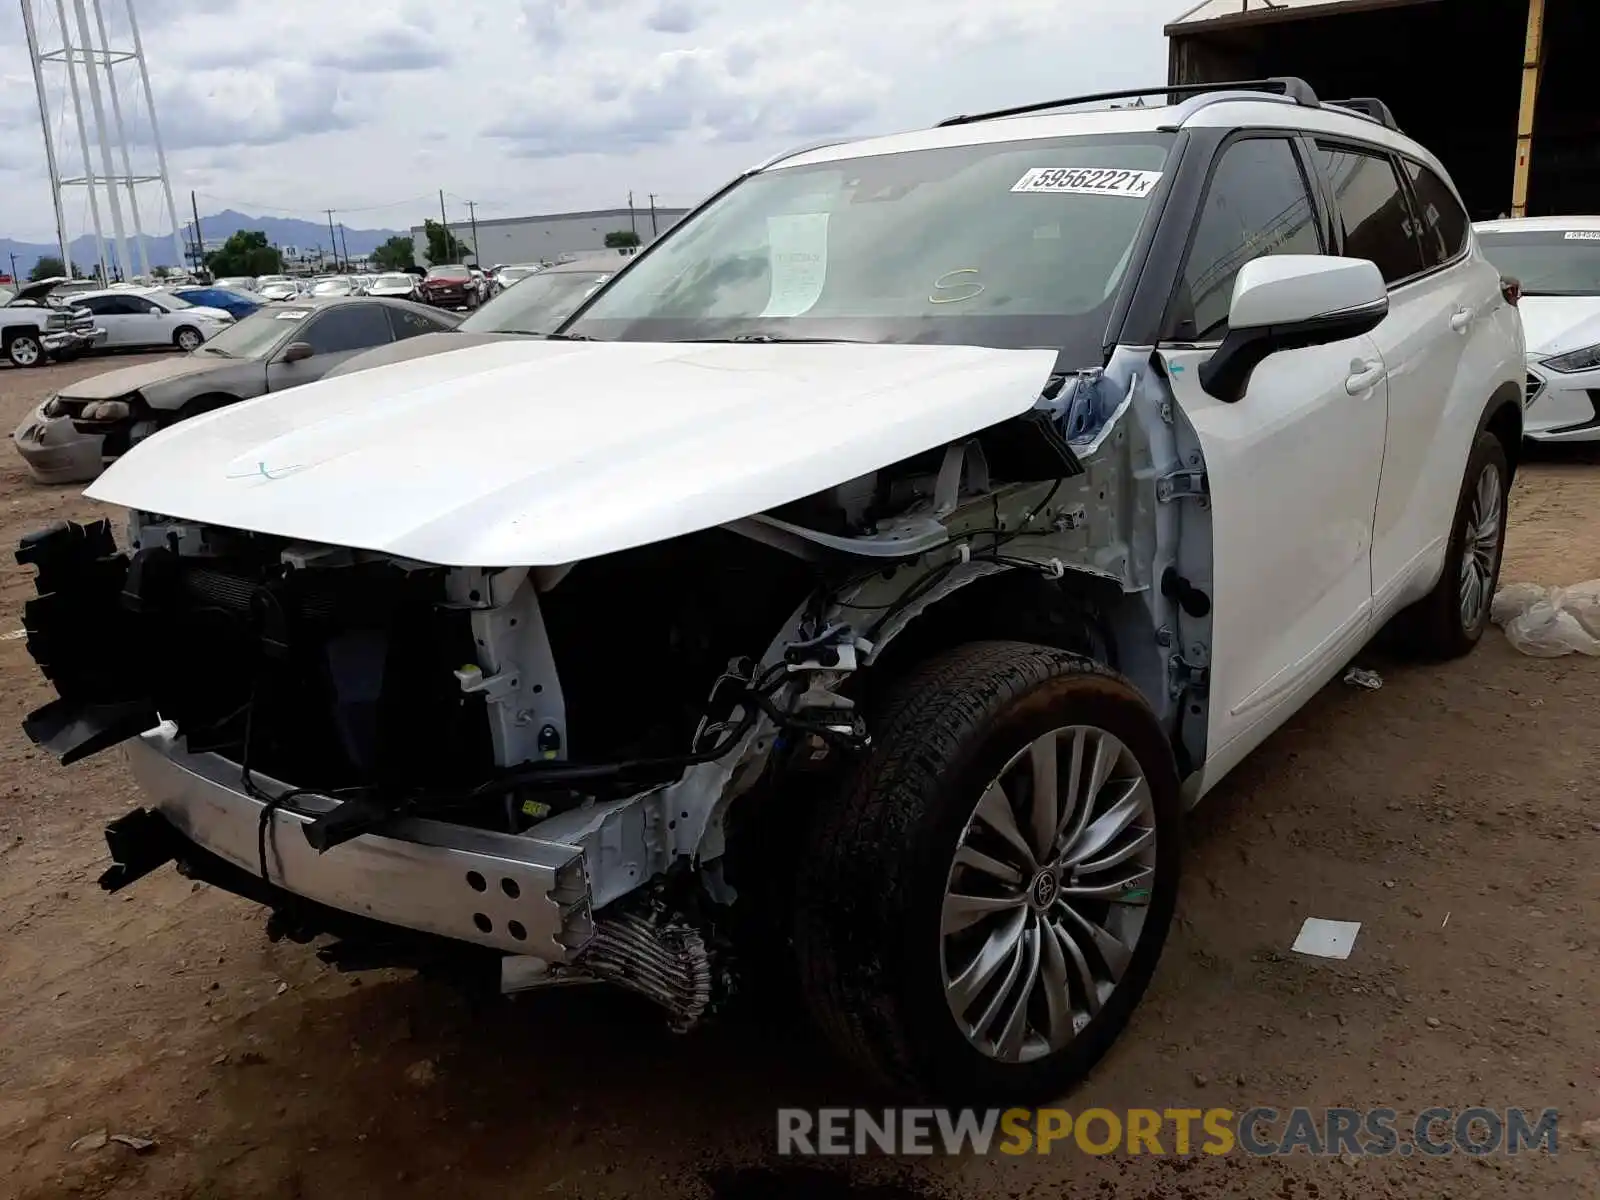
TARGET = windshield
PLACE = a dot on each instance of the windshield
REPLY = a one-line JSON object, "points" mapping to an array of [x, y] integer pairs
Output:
{"points": [[170, 301], [449, 273], [324, 287], [1007, 244], [537, 304], [257, 335], [392, 281], [1549, 263]]}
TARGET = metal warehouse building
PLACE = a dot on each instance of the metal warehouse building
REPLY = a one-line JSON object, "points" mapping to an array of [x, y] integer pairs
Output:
{"points": [[553, 236], [1499, 89]]}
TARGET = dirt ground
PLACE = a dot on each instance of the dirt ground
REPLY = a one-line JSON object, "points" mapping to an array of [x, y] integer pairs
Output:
{"points": [[1452, 812]]}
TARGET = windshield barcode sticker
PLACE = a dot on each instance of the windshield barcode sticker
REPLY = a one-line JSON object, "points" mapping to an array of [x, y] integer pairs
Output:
{"points": [[1583, 235], [1088, 181]]}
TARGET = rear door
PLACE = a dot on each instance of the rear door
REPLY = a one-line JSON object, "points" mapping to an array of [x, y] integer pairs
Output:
{"points": [[1400, 214], [1292, 469], [118, 317]]}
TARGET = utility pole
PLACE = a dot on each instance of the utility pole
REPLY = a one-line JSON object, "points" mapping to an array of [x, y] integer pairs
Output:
{"points": [[14, 278], [199, 238], [654, 231], [332, 240], [343, 247], [632, 224], [472, 213], [103, 136], [445, 222]]}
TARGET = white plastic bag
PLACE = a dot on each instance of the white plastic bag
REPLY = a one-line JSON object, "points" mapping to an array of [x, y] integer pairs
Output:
{"points": [[1550, 622]]}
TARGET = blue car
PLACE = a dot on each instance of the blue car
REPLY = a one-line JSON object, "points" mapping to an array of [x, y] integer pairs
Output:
{"points": [[236, 305]]}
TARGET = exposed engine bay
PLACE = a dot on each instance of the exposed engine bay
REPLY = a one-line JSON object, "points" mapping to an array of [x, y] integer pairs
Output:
{"points": [[541, 766]]}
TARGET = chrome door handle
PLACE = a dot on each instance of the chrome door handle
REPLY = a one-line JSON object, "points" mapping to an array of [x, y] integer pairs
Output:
{"points": [[1461, 320], [1364, 377]]}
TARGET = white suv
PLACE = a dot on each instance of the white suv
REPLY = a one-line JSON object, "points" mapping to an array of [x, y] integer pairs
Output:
{"points": [[871, 574]]}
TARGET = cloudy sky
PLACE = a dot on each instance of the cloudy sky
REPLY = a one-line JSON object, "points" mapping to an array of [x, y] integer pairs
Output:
{"points": [[289, 107]]}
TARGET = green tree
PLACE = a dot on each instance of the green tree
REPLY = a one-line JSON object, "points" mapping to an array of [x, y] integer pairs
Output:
{"points": [[621, 239], [397, 254], [163, 272], [245, 253], [443, 244], [47, 267]]}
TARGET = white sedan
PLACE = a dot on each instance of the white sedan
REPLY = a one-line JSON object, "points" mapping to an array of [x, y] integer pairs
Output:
{"points": [[150, 317], [1556, 261]]}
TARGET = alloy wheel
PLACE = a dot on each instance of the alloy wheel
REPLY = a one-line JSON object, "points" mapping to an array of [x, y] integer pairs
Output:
{"points": [[25, 352], [1480, 553], [1047, 895]]}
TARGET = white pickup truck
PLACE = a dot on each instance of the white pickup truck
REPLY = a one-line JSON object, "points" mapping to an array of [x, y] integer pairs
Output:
{"points": [[34, 326]]}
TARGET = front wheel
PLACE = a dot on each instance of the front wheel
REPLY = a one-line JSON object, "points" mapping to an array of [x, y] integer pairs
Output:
{"points": [[24, 350], [979, 913], [188, 339], [1450, 620]]}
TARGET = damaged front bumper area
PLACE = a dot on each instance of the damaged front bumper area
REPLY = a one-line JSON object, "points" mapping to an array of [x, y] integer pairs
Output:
{"points": [[372, 748], [102, 633], [519, 895]]}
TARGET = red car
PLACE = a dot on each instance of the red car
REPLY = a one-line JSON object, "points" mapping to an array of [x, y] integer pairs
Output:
{"points": [[451, 287]]}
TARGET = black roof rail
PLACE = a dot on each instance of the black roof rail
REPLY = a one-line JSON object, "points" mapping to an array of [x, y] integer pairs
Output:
{"points": [[1370, 107], [1297, 90]]}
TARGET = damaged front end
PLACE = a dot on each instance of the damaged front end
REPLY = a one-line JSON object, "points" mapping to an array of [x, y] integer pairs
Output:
{"points": [[531, 773]]}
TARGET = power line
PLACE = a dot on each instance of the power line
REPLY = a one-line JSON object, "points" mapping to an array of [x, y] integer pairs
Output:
{"points": [[313, 212]]}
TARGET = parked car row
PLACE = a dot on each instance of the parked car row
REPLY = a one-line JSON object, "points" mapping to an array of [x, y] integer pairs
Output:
{"points": [[37, 326]]}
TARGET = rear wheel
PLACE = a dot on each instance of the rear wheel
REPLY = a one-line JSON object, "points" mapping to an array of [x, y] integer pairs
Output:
{"points": [[187, 339], [980, 911], [1451, 619], [24, 350]]}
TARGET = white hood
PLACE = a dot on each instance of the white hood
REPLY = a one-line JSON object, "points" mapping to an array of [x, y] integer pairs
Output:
{"points": [[537, 453], [1558, 324]]}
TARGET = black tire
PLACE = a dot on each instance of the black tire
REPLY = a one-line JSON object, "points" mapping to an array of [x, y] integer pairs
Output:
{"points": [[24, 349], [878, 859], [1436, 627], [200, 404], [67, 356], [193, 335]]}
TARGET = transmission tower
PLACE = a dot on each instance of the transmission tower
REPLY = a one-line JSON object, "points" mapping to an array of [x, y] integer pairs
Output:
{"points": [[90, 64]]}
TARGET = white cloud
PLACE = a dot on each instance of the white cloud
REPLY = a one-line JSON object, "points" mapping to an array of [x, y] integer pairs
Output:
{"points": [[537, 105]]}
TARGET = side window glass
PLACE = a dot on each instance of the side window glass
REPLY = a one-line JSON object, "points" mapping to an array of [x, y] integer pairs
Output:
{"points": [[347, 327], [409, 324], [1444, 221], [1258, 203], [1372, 207], [94, 304], [143, 307]]}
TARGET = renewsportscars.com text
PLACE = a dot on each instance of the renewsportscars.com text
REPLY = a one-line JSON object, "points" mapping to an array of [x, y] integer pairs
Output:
{"points": [[1262, 1131]]}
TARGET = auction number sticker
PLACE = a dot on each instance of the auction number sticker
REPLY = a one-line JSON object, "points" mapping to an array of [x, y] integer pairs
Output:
{"points": [[293, 314], [1088, 181], [1583, 235]]}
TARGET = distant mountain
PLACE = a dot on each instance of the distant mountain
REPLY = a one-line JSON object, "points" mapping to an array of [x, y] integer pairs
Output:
{"points": [[280, 231]]}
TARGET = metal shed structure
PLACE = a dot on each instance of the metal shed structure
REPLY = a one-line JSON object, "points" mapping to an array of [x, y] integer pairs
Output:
{"points": [[1496, 88]]}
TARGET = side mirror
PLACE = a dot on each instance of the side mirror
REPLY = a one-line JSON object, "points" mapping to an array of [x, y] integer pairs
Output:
{"points": [[1290, 302], [295, 351]]}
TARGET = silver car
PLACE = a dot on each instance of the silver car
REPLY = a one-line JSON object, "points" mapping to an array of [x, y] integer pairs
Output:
{"points": [[88, 424]]}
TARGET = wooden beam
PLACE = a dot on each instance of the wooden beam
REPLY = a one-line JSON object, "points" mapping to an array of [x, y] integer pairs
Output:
{"points": [[1532, 62]]}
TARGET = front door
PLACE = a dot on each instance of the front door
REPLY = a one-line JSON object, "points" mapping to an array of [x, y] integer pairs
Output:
{"points": [[1292, 468], [334, 334]]}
